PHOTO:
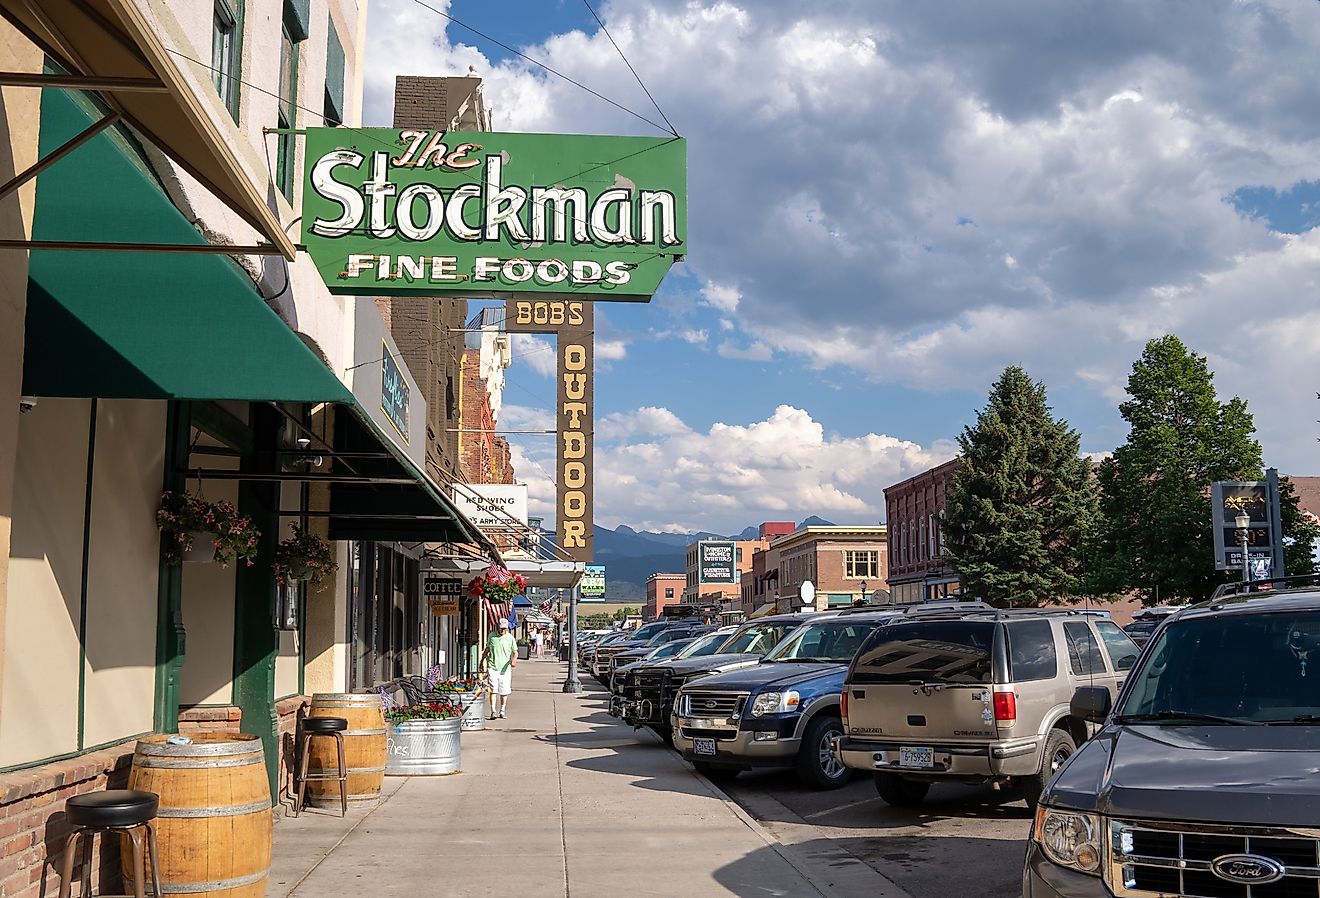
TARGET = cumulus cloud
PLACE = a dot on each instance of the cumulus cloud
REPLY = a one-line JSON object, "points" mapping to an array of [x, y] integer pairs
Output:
{"points": [[537, 353], [756, 352], [652, 470], [925, 192]]}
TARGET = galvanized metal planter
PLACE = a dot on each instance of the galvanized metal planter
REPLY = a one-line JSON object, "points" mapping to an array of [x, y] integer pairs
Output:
{"points": [[423, 747], [474, 709]]}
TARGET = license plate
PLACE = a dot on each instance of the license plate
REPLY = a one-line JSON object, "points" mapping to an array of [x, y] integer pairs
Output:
{"points": [[916, 757], [704, 747]]}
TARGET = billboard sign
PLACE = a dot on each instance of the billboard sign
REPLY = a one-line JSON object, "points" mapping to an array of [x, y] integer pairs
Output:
{"points": [[1259, 500], [592, 586], [390, 211], [492, 505], [716, 562]]}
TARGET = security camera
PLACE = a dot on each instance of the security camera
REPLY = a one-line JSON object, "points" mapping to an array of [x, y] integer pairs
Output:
{"points": [[26, 404]]}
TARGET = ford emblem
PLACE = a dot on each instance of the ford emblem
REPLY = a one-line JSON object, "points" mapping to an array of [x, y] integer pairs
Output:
{"points": [[711, 703], [1247, 869]]}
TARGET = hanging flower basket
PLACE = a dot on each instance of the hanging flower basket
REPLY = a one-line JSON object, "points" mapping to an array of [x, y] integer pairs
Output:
{"points": [[304, 556], [187, 523], [498, 584]]}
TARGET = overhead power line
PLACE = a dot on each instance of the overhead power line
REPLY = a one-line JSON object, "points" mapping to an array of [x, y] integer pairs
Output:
{"points": [[672, 129]]}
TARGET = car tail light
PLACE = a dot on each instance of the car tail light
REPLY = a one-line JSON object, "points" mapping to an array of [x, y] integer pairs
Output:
{"points": [[1005, 706], [843, 705]]}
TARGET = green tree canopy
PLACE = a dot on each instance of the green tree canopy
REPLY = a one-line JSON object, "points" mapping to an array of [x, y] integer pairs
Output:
{"points": [[1155, 536], [1022, 501]]}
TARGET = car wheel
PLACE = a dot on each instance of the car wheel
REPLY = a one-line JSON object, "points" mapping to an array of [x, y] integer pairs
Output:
{"points": [[899, 792], [714, 773], [817, 766], [1059, 747]]}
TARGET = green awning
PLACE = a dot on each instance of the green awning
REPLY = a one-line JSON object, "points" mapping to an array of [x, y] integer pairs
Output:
{"points": [[144, 325]]}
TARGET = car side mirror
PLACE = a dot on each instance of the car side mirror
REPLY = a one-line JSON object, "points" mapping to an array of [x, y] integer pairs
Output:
{"points": [[1091, 703]]}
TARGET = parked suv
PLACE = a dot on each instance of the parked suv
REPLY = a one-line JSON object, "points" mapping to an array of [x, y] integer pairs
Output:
{"points": [[782, 712], [600, 662], [699, 646], [1203, 779], [650, 690], [682, 630], [975, 698]]}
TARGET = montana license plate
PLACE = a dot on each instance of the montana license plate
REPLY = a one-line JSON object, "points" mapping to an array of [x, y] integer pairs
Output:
{"points": [[704, 747], [916, 757]]}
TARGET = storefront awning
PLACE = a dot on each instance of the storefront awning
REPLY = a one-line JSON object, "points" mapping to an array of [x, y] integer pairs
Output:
{"points": [[110, 47], [128, 325], [539, 574]]}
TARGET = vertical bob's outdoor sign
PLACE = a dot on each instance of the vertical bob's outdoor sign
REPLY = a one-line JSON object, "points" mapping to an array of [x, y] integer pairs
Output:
{"points": [[388, 212]]}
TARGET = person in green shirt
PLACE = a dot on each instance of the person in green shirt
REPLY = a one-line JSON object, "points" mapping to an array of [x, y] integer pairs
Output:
{"points": [[500, 658]]}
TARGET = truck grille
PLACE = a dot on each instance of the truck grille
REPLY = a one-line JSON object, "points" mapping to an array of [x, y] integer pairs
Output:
{"points": [[1148, 858], [713, 704]]}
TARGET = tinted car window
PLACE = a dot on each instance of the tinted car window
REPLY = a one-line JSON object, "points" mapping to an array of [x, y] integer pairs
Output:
{"points": [[757, 639], [1083, 651], [1031, 654], [645, 632], [668, 650], [828, 641], [928, 652], [706, 645], [1123, 651]]}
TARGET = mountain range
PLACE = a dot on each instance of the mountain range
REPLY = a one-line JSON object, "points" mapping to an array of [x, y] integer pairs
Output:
{"points": [[631, 556]]}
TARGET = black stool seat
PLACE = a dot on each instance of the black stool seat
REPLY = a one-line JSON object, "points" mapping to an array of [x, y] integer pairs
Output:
{"points": [[113, 807], [324, 724]]}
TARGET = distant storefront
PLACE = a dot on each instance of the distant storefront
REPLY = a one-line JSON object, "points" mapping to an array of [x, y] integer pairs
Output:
{"points": [[919, 569]]}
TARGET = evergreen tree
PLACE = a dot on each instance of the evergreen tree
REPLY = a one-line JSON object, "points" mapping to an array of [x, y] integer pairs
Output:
{"points": [[1022, 501], [1154, 535]]}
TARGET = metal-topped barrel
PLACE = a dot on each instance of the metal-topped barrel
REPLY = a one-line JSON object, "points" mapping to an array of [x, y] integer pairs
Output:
{"points": [[213, 829], [364, 750]]}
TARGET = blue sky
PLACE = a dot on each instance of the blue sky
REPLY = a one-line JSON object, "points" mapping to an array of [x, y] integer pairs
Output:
{"points": [[890, 202]]}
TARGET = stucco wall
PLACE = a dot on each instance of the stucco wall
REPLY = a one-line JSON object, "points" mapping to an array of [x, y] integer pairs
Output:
{"points": [[19, 121], [123, 566], [208, 616], [39, 692]]}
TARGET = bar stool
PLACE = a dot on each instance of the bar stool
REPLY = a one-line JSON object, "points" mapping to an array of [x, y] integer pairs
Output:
{"points": [[309, 728], [121, 811]]}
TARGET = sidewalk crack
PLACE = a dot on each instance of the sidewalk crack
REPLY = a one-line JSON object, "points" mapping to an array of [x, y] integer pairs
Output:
{"points": [[559, 776]]}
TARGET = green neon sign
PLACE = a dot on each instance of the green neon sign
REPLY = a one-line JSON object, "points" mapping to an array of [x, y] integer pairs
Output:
{"points": [[398, 211]]}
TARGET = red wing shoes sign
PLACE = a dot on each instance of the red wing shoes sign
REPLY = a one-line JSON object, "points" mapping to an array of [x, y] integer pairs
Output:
{"points": [[481, 214]]}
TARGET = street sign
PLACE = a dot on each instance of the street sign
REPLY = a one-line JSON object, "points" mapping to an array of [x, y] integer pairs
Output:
{"points": [[389, 211], [1259, 499], [807, 594], [443, 594]]}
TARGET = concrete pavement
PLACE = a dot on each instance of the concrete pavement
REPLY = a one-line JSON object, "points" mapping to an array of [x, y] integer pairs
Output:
{"points": [[556, 800]]}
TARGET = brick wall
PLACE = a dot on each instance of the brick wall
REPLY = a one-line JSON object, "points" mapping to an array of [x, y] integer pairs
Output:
{"points": [[227, 719], [32, 827]]}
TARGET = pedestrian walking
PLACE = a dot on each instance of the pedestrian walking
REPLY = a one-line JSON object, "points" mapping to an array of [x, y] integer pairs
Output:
{"points": [[536, 643], [499, 659]]}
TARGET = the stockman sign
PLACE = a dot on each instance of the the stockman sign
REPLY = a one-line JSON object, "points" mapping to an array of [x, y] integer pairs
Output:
{"points": [[389, 211]]}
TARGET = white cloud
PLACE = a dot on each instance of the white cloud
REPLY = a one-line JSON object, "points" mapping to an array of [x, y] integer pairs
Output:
{"points": [[840, 149], [652, 469], [611, 349], [538, 353], [521, 417], [756, 352]]}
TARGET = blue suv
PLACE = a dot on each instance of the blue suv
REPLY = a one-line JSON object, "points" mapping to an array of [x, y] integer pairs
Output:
{"points": [[782, 712]]}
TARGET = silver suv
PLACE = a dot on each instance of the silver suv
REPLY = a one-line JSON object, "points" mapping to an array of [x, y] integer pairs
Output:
{"points": [[980, 697]]}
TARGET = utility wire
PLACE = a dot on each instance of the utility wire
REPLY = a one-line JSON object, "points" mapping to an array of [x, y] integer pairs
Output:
{"points": [[552, 71], [672, 129]]}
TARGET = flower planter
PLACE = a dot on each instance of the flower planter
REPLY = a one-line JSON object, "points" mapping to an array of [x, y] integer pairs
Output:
{"points": [[474, 709], [203, 548], [524, 652], [423, 747]]}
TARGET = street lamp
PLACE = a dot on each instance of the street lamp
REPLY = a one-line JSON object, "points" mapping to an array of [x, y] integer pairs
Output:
{"points": [[863, 590], [1243, 522]]}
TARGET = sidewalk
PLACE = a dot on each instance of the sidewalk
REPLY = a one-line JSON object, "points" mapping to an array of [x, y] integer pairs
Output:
{"points": [[556, 800]]}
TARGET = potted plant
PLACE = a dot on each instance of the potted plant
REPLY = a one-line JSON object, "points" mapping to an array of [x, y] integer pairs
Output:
{"points": [[193, 529], [468, 692], [423, 739], [304, 556], [498, 584]]}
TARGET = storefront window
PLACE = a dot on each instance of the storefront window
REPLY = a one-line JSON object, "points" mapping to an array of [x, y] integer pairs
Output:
{"points": [[286, 115]]}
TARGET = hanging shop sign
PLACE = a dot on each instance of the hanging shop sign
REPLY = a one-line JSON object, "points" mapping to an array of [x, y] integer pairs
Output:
{"points": [[492, 505], [389, 211], [572, 321], [716, 562], [1259, 499], [592, 586], [442, 594], [395, 394]]}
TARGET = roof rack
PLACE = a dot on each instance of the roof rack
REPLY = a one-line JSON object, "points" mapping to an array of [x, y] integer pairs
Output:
{"points": [[868, 609], [1239, 587]]}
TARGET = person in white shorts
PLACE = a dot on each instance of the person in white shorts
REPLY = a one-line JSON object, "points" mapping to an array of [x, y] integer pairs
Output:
{"points": [[500, 658]]}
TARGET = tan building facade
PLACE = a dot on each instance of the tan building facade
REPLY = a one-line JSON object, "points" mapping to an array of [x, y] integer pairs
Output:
{"points": [[844, 564]]}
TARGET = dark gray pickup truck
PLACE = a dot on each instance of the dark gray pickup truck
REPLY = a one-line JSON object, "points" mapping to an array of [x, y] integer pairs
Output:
{"points": [[1204, 779]]}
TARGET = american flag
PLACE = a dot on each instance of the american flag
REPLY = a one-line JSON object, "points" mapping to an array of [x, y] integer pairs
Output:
{"points": [[497, 610]]}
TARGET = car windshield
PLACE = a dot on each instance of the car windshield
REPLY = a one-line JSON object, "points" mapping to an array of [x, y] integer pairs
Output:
{"points": [[945, 651], [645, 632], [1260, 668], [756, 639], [612, 638], [706, 645], [668, 650], [826, 641], [669, 635], [1141, 627]]}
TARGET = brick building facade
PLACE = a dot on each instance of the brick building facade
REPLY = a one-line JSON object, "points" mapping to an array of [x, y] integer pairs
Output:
{"points": [[919, 569], [662, 590], [484, 457], [844, 564]]}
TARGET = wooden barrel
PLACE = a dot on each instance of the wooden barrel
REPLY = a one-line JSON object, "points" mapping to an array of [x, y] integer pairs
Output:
{"points": [[364, 750], [213, 830]]}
